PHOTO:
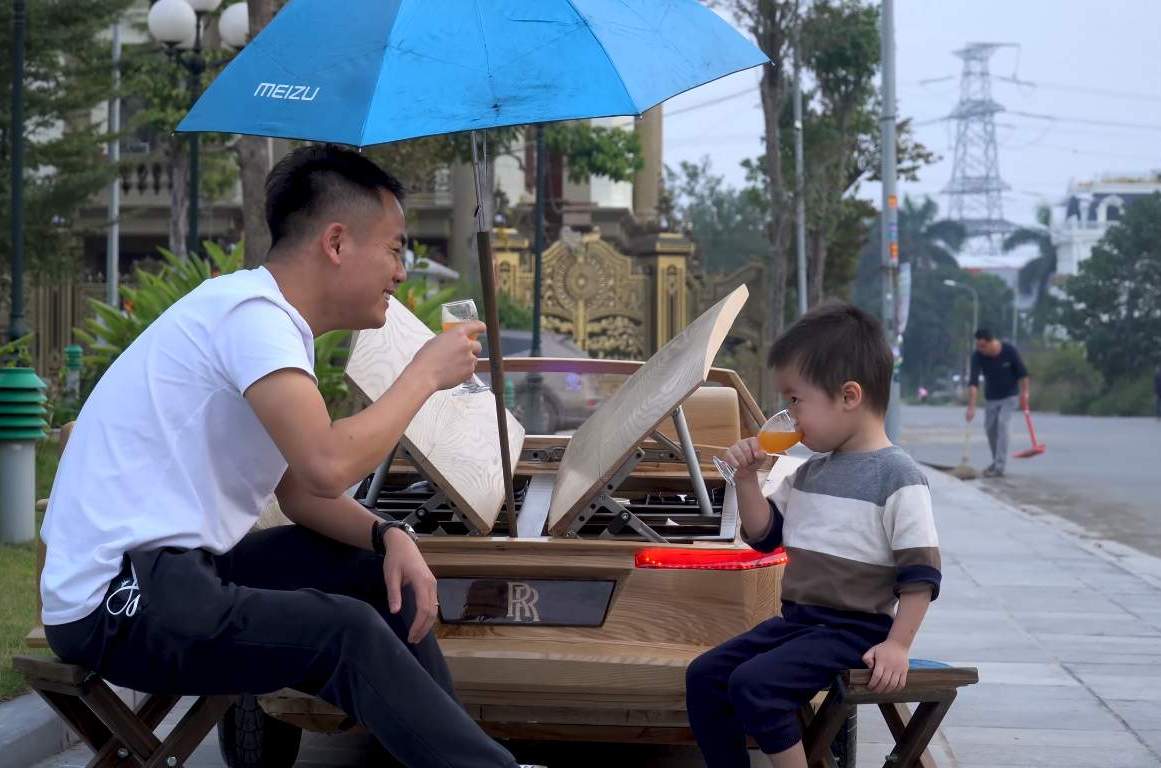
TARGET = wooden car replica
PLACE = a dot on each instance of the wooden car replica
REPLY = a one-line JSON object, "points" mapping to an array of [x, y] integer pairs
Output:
{"points": [[626, 562]]}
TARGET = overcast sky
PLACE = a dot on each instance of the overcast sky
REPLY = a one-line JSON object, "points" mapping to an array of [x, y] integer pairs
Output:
{"points": [[1093, 61]]}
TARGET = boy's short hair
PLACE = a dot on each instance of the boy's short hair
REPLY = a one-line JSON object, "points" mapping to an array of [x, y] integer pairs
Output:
{"points": [[983, 334], [322, 179], [835, 343]]}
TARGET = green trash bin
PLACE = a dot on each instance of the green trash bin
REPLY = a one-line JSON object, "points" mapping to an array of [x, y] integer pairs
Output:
{"points": [[22, 425]]}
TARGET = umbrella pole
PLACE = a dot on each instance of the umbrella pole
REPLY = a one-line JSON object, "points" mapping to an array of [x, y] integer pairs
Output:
{"points": [[492, 319]]}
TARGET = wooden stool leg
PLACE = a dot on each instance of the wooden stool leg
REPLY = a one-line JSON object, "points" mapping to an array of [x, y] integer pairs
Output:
{"points": [[824, 726], [78, 717], [121, 720], [897, 716], [151, 712], [918, 733], [190, 732]]}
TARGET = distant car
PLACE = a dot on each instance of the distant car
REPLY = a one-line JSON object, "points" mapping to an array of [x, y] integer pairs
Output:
{"points": [[568, 398]]}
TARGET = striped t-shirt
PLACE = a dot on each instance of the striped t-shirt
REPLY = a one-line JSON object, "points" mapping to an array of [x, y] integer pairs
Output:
{"points": [[858, 531]]}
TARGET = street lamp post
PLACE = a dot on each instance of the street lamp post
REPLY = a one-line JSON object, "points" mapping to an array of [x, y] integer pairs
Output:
{"points": [[975, 315], [177, 24], [16, 325]]}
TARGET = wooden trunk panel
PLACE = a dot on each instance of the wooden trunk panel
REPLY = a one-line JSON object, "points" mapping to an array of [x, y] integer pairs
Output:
{"points": [[607, 438], [454, 439], [713, 415]]}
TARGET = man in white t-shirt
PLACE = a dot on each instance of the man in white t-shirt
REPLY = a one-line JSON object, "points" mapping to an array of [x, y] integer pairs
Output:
{"points": [[153, 577]]}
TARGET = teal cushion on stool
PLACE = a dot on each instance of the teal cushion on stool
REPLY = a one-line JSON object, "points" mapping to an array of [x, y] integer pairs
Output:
{"points": [[926, 664]]}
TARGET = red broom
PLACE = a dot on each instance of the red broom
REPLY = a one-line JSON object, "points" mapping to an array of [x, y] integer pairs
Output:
{"points": [[1037, 447]]}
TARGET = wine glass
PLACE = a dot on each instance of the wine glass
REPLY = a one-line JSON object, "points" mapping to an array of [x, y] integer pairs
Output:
{"points": [[456, 313], [779, 433]]}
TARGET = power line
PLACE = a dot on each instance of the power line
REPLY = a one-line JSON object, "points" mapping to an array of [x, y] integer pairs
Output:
{"points": [[1094, 153], [1085, 121], [717, 139], [1056, 128], [710, 103], [1134, 95], [1055, 119]]}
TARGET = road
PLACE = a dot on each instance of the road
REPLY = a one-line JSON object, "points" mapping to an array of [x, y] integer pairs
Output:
{"points": [[1103, 473]]}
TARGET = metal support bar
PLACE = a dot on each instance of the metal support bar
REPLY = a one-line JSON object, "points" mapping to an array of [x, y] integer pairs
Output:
{"points": [[669, 452], [669, 444], [419, 517], [622, 515], [692, 462], [378, 480], [625, 518]]}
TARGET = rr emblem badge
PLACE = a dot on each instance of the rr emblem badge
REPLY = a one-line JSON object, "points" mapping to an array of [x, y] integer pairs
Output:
{"points": [[522, 600]]}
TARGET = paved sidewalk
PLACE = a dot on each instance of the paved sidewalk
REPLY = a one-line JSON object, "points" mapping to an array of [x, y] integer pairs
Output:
{"points": [[1066, 632]]}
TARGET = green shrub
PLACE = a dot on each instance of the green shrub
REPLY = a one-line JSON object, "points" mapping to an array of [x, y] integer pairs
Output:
{"points": [[112, 330], [1126, 397], [1062, 379], [17, 353]]}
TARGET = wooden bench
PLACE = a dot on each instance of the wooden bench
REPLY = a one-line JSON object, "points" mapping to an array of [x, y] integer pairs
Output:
{"points": [[117, 734], [930, 685]]}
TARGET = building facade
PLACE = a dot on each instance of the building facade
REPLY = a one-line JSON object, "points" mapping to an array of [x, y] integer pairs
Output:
{"points": [[1089, 209]]}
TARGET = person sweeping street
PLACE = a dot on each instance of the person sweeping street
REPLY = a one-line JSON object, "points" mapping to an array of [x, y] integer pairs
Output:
{"points": [[1005, 387]]}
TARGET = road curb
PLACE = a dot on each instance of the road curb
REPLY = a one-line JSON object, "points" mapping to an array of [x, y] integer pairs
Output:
{"points": [[30, 732]]}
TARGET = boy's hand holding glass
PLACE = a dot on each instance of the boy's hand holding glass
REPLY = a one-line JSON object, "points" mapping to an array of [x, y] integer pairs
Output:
{"points": [[779, 433], [742, 459]]}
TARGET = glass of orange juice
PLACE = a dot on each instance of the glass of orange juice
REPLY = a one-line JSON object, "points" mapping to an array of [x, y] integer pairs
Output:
{"points": [[779, 433], [456, 313]]}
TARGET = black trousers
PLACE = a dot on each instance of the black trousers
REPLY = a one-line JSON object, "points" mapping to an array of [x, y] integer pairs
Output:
{"points": [[755, 683], [286, 608]]}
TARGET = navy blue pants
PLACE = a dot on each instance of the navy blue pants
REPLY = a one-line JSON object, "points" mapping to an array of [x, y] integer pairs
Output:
{"points": [[755, 683]]}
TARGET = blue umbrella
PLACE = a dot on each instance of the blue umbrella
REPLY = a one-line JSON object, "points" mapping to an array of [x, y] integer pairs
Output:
{"points": [[366, 72]]}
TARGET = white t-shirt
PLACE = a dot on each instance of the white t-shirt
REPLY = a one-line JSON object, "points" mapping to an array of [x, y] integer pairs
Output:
{"points": [[166, 451]]}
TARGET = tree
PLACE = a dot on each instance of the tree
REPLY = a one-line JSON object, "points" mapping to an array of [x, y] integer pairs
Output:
{"points": [[728, 225], [840, 47], [770, 23], [1036, 273], [938, 334], [924, 240], [590, 151], [1114, 303], [68, 70], [840, 53], [160, 84]]}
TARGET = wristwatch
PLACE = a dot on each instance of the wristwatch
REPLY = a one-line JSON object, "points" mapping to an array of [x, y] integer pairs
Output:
{"points": [[379, 531]]}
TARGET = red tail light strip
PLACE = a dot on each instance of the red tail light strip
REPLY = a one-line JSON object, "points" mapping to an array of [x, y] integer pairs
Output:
{"points": [[708, 559]]}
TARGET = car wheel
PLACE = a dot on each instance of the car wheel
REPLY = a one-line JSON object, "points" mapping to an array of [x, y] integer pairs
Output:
{"points": [[250, 738]]}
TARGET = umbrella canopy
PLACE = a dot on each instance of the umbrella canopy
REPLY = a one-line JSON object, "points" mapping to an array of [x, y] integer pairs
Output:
{"points": [[365, 72]]}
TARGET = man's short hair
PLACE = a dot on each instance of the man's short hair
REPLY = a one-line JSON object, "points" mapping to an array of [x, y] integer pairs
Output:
{"points": [[320, 180], [835, 343], [983, 334]]}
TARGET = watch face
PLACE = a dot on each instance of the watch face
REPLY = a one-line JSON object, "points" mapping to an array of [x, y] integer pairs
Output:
{"points": [[405, 527]]}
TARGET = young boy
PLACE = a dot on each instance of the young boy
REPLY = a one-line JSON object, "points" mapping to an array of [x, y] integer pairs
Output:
{"points": [[856, 523]]}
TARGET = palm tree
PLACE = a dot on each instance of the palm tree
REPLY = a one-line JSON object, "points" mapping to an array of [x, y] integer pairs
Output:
{"points": [[1037, 272], [924, 240]]}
